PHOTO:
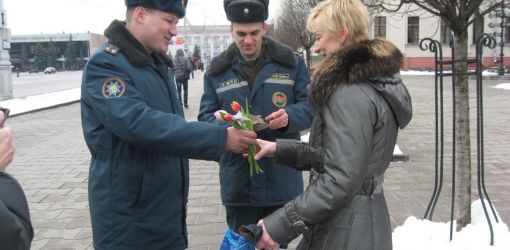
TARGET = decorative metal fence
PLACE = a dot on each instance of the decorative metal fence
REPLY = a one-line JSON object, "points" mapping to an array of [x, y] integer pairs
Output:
{"points": [[434, 46]]}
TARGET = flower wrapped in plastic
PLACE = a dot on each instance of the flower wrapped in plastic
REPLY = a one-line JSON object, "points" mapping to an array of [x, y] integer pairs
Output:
{"points": [[242, 119]]}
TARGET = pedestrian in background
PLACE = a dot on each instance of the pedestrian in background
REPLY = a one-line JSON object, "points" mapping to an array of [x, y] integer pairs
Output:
{"points": [[134, 127], [193, 67], [16, 231], [182, 71], [272, 80], [360, 105]]}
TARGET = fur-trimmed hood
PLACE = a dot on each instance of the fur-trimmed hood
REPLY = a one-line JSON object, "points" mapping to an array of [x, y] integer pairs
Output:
{"points": [[375, 61], [275, 51]]}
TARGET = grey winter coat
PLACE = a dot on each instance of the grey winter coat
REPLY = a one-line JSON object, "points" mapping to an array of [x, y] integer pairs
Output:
{"points": [[360, 106], [182, 66]]}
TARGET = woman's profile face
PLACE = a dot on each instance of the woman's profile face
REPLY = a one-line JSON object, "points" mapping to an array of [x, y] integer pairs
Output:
{"points": [[326, 42]]}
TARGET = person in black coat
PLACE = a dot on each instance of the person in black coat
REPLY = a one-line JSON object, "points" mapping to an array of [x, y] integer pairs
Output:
{"points": [[182, 71], [16, 230]]}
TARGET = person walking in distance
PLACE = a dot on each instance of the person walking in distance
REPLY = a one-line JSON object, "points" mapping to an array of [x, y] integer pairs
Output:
{"points": [[182, 71]]}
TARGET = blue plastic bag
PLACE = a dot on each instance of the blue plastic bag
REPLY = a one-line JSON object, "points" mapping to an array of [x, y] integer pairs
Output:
{"points": [[234, 241]]}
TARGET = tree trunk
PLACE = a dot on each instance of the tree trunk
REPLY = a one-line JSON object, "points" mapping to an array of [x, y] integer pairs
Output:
{"points": [[462, 132], [308, 59]]}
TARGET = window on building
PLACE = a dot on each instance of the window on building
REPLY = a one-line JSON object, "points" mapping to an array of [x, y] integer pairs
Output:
{"points": [[413, 29], [197, 39], [380, 26], [187, 39], [446, 34]]}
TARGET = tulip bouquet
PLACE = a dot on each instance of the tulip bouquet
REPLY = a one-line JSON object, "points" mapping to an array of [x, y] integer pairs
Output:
{"points": [[244, 120]]}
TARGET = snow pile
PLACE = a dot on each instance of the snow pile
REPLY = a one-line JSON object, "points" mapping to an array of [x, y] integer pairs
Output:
{"points": [[503, 86], [417, 234], [31, 103]]}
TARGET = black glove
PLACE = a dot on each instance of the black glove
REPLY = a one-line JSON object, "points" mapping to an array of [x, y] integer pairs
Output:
{"points": [[251, 232]]}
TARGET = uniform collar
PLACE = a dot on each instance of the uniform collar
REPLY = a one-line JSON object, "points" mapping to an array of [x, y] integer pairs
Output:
{"points": [[133, 50], [276, 52]]}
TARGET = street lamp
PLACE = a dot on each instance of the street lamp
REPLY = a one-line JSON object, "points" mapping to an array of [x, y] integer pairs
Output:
{"points": [[5, 64]]}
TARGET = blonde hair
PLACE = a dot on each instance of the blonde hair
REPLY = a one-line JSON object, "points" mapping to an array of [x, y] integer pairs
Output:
{"points": [[335, 15]]}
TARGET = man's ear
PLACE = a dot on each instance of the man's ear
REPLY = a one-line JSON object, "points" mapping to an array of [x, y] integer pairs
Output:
{"points": [[264, 29], [139, 13]]}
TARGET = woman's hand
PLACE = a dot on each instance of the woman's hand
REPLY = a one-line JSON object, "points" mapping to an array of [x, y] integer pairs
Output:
{"points": [[266, 242], [267, 149]]}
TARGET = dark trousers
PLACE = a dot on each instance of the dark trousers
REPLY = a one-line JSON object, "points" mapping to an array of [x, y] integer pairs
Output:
{"points": [[238, 216], [182, 84]]}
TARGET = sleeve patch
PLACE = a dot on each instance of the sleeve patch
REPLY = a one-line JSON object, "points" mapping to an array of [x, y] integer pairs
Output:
{"points": [[113, 87]]}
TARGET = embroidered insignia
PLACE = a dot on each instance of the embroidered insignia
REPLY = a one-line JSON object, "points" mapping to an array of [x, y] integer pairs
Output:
{"points": [[228, 82], [280, 76], [113, 87], [279, 99]]}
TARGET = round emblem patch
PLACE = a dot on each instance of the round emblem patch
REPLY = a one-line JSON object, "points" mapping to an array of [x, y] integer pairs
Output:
{"points": [[113, 87], [279, 99]]}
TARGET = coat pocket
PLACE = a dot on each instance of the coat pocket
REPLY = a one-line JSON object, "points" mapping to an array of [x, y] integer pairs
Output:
{"points": [[339, 230], [333, 234]]}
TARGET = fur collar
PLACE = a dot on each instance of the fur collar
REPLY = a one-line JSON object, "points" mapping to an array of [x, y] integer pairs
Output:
{"points": [[274, 51], [355, 63], [134, 51]]}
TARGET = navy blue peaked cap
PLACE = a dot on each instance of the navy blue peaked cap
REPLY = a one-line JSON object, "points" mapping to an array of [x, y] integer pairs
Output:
{"points": [[246, 11], [177, 7]]}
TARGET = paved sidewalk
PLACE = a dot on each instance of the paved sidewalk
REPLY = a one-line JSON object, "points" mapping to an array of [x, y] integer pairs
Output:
{"points": [[51, 162]]}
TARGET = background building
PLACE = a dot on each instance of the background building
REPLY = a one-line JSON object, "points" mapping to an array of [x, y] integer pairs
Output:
{"points": [[24, 47], [406, 30], [210, 39]]}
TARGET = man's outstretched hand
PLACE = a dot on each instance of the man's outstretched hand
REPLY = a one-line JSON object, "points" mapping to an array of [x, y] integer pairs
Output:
{"points": [[238, 140]]}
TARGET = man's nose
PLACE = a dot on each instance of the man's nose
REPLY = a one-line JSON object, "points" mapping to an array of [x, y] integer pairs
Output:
{"points": [[248, 39], [173, 30]]}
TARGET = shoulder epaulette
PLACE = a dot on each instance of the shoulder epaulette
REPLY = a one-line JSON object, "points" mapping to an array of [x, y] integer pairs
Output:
{"points": [[111, 49]]}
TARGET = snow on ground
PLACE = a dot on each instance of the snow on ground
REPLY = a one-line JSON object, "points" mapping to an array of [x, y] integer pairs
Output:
{"points": [[503, 86], [429, 73], [31, 103], [418, 234]]}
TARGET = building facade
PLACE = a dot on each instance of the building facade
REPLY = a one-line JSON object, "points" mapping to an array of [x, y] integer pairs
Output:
{"points": [[85, 45], [210, 39], [406, 30]]}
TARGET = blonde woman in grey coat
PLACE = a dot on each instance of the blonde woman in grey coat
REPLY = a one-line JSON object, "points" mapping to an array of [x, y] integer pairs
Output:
{"points": [[360, 105]]}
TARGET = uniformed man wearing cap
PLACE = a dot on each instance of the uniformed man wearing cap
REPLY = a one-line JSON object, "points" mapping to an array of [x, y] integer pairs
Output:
{"points": [[273, 80], [134, 127]]}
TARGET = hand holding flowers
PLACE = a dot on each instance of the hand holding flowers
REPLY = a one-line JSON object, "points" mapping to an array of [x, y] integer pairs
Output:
{"points": [[243, 120]]}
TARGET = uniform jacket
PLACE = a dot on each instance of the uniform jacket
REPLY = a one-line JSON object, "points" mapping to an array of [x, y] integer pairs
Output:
{"points": [[360, 106], [134, 128], [16, 232], [280, 83]]}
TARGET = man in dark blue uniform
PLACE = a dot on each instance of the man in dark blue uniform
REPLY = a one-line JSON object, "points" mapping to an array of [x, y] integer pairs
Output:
{"points": [[134, 126], [273, 80]]}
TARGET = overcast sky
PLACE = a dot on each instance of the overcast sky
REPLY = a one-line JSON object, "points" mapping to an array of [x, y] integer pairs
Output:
{"points": [[26, 17]]}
